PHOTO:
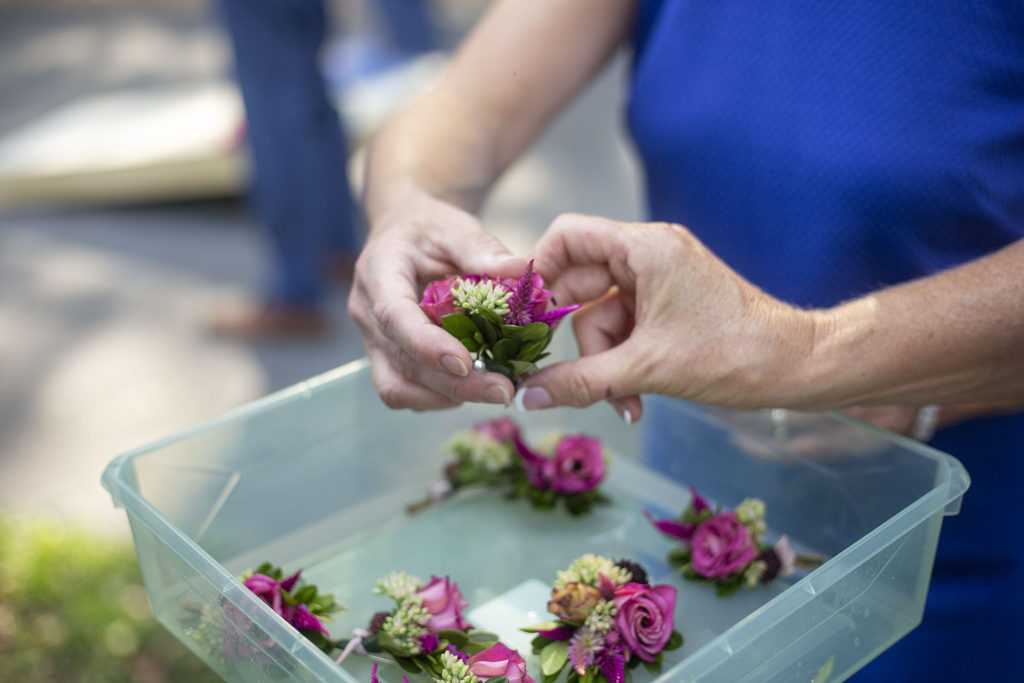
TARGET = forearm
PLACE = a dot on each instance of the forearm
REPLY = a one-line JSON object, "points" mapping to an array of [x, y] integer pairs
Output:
{"points": [[954, 337], [517, 69]]}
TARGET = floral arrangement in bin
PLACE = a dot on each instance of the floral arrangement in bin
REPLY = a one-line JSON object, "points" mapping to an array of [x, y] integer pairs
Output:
{"points": [[505, 322], [609, 620], [425, 630], [725, 548], [300, 604], [562, 468]]}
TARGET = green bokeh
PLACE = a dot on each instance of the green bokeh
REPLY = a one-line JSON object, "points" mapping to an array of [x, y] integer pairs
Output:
{"points": [[73, 608]]}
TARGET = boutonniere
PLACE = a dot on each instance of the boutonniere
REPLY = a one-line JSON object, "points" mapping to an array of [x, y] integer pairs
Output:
{"points": [[609, 619], [506, 323], [561, 468], [726, 547], [425, 629]]}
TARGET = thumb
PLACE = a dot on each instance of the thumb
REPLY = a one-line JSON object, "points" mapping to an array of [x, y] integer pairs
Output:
{"points": [[581, 382]]}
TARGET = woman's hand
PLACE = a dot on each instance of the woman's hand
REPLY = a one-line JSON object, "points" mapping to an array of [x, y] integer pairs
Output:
{"points": [[663, 315], [414, 363]]}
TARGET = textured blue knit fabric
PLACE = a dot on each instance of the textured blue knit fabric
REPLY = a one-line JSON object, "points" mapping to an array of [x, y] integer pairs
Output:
{"points": [[826, 149]]}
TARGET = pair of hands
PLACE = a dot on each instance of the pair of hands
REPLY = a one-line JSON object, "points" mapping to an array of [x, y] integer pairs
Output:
{"points": [[661, 314]]}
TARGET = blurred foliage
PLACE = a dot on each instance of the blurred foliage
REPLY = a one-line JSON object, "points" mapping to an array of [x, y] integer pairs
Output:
{"points": [[73, 608]]}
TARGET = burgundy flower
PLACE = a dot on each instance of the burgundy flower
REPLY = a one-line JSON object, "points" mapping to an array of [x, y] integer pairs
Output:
{"points": [[540, 470], [501, 429], [429, 642], [437, 299], [672, 527], [499, 660], [578, 464], [300, 617], [268, 590], [645, 617], [721, 545], [442, 598]]}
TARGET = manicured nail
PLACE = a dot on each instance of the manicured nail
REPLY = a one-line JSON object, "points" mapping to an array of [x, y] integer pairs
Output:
{"points": [[623, 411], [496, 393], [454, 365], [532, 398]]}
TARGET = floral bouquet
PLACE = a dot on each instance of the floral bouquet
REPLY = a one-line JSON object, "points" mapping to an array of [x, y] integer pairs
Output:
{"points": [[426, 630], [609, 620], [725, 548], [505, 322], [562, 468]]}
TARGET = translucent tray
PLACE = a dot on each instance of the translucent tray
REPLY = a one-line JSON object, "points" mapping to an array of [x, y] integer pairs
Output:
{"points": [[318, 476]]}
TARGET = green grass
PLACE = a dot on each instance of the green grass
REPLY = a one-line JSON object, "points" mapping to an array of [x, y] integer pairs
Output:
{"points": [[73, 608]]}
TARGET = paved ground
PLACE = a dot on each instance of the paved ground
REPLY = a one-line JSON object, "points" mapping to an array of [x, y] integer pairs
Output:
{"points": [[101, 311]]}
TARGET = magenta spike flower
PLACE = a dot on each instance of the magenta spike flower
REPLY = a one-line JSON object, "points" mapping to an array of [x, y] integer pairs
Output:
{"points": [[520, 306], [289, 583], [302, 618], [671, 527], [552, 318], [373, 674], [582, 647], [429, 642], [612, 663]]}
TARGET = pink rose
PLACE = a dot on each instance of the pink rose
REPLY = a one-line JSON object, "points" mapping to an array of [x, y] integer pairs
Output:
{"points": [[437, 299], [578, 464], [721, 545], [501, 429], [644, 618], [442, 598], [499, 660]]}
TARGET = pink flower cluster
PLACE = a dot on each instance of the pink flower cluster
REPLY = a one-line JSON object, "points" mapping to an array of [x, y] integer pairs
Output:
{"points": [[272, 592], [725, 546], [576, 466], [611, 622], [529, 302]]}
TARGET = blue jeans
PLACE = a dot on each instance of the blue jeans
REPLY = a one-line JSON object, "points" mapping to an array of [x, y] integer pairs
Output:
{"points": [[300, 186]]}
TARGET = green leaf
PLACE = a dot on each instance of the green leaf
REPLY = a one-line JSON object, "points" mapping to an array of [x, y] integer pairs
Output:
{"points": [[554, 656], [675, 641], [389, 643], [505, 349], [408, 664], [372, 644], [485, 638], [653, 668], [539, 643], [520, 368], [471, 344], [534, 332], [455, 637], [486, 328], [545, 626], [306, 594], [498, 679], [589, 674], [531, 351], [545, 678], [458, 325]]}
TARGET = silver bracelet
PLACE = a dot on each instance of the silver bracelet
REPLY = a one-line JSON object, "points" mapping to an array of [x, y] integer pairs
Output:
{"points": [[925, 422]]}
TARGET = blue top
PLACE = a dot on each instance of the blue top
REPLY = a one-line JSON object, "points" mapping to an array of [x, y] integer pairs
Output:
{"points": [[824, 150]]}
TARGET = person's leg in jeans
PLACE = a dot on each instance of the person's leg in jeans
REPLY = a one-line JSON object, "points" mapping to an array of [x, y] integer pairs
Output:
{"points": [[300, 188]]}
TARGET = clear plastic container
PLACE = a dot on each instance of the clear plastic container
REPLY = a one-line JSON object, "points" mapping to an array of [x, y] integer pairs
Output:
{"points": [[318, 477]]}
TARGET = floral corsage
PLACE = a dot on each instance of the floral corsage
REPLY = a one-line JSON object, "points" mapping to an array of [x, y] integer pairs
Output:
{"points": [[609, 620], [505, 322], [300, 604], [726, 548], [425, 630], [566, 468], [497, 664]]}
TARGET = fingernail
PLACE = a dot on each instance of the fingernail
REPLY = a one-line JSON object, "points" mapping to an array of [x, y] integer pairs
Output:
{"points": [[532, 398], [623, 411], [496, 393], [454, 365]]}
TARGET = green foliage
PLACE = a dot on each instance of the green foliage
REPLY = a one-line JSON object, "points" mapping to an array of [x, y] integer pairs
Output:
{"points": [[73, 608], [511, 350]]}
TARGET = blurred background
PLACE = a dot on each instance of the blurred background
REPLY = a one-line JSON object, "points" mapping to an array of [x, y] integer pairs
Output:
{"points": [[125, 226]]}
